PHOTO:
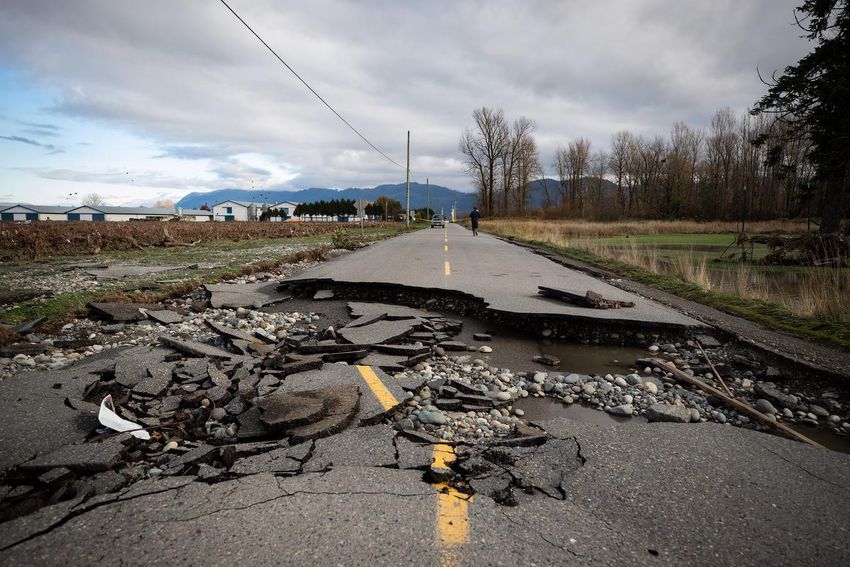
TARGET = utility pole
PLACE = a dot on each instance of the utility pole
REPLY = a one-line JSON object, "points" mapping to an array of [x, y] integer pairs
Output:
{"points": [[407, 192], [427, 200]]}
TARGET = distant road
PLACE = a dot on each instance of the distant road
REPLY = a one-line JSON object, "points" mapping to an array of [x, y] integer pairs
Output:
{"points": [[505, 276]]}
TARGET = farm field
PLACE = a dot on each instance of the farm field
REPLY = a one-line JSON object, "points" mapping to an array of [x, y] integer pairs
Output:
{"points": [[41, 240], [59, 283]]}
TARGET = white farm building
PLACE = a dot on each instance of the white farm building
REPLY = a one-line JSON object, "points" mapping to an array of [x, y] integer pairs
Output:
{"points": [[235, 211], [23, 212]]}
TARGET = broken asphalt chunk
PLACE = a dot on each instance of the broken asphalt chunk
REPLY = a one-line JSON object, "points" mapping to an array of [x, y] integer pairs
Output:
{"points": [[229, 332], [341, 404], [163, 316], [193, 348], [379, 332], [120, 312], [84, 458], [284, 411]]}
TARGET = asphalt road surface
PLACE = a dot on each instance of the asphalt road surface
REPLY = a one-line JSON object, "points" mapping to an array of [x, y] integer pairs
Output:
{"points": [[580, 494], [505, 276]]}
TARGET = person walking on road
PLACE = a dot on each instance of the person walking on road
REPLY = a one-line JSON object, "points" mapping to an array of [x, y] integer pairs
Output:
{"points": [[474, 216]]}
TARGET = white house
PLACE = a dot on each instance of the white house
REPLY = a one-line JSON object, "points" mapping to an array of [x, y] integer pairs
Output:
{"points": [[288, 209], [194, 215], [22, 212], [236, 211], [104, 213]]}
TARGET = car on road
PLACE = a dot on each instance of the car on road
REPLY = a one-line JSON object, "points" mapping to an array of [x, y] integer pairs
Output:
{"points": [[438, 221]]}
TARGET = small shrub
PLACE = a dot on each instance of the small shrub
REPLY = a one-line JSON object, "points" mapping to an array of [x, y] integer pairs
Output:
{"points": [[343, 239]]}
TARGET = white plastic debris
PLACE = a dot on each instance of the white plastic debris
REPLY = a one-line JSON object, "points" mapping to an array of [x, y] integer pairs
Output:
{"points": [[108, 418]]}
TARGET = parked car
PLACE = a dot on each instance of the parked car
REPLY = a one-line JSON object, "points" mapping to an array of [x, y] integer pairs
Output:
{"points": [[437, 221]]}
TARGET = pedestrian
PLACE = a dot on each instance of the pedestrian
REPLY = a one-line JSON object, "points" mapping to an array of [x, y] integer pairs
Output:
{"points": [[474, 216]]}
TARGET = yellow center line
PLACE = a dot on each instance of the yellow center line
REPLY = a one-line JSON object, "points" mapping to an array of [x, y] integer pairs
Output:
{"points": [[385, 398], [448, 268], [452, 511], [446, 247]]}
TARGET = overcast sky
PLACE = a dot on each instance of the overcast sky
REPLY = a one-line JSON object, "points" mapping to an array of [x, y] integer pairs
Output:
{"points": [[145, 100]]}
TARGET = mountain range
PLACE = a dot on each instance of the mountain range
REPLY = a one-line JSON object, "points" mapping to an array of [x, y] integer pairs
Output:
{"points": [[440, 197], [541, 193]]}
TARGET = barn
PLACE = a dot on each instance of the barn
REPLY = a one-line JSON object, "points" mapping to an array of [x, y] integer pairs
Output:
{"points": [[25, 212], [104, 213]]}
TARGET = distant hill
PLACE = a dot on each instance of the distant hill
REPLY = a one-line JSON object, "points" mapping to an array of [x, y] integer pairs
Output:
{"points": [[440, 197], [538, 190]]}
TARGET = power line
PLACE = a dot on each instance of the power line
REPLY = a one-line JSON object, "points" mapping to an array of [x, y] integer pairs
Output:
{"points": [[312, 90]]}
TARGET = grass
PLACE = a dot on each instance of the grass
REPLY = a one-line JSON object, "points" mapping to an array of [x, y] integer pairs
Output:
{"points": [[64, 306], [820, 312]]}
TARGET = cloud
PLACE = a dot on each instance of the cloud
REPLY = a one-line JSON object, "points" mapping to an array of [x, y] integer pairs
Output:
{"points": [[50, 147], [189, 78]]}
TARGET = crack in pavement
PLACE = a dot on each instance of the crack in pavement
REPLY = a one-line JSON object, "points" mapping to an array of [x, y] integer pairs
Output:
{"points": [[502, 511], [801, 467], [75, 512]]}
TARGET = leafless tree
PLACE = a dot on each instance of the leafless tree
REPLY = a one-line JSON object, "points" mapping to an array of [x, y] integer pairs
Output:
{"points": [[93, 200], [482, 148]]}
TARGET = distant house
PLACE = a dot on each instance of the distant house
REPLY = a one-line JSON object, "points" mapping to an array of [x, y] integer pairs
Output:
{"points": [[104, 213], [236, 211], [287, 208], [24, 212], [195, 215]]}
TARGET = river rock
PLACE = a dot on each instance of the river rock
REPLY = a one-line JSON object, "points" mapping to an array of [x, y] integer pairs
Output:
{"points": [[764, 406], [668, 412], [772, 394], [433, 417], [624, 409]]}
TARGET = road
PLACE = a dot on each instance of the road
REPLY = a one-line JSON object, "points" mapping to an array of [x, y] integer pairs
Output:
{"points": [[586, 494], [505, 276]]}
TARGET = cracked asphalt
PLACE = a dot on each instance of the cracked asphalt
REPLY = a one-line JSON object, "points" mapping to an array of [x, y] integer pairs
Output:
{"points": [[638, 494], [564, 492]]}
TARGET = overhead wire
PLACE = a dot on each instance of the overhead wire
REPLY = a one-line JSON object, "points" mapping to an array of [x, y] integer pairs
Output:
{"points": [[312, 90]]}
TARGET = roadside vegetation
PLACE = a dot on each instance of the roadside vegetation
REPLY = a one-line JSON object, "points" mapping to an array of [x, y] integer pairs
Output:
{"points": [[40, 240], [701, 262], [206, 262]]}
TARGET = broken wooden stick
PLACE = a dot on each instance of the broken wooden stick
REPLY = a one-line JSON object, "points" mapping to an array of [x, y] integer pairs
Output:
{"points": [[737, 404], [714, 370]]}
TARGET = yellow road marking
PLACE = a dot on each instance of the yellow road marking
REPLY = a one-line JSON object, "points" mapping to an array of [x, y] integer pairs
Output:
{"points": [[452, 511], [446, 247], [448, 268], [443, 455], [385, 398]]}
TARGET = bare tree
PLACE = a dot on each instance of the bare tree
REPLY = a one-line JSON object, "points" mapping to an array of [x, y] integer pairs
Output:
{"points": [[579, 157], [482, 148], [618, 163], [93, 200], [563, 167]]}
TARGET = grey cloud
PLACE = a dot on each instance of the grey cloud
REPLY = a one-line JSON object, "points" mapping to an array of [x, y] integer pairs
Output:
{"points": [[188, 76], [51, 149]]}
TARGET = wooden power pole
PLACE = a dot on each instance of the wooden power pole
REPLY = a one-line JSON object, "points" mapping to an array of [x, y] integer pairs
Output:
{"points": [[407, 192], [427, 200]]}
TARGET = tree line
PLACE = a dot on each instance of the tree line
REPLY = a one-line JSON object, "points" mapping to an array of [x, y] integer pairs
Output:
{"points": [[332, 208], [788, 157], [714, 173]]}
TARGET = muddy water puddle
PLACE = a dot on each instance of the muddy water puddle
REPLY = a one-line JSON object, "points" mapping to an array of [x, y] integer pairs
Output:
{"points": [[542, 408], [516, 351]]}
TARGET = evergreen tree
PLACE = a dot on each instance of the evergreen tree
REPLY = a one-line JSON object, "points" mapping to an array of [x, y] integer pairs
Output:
{"points": [[813, 99]]}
